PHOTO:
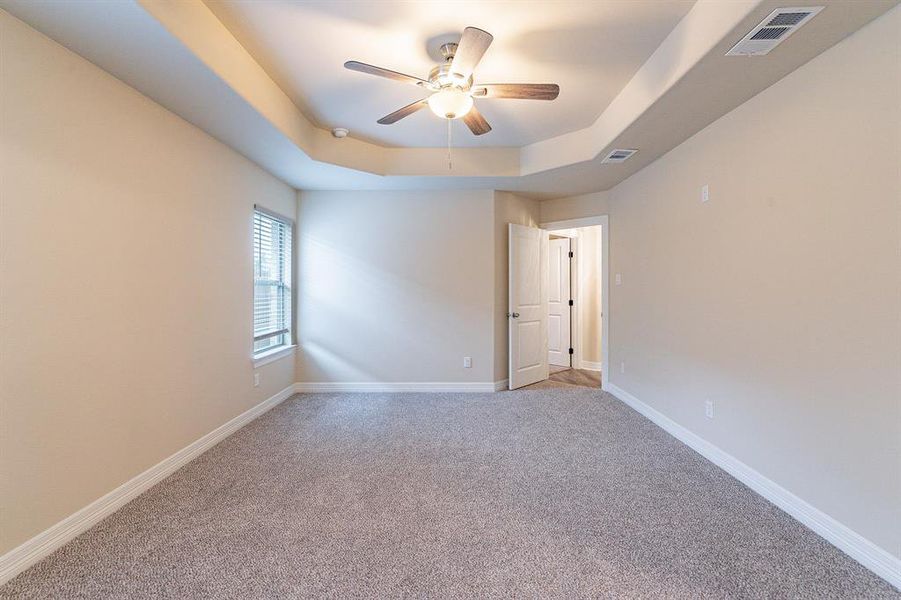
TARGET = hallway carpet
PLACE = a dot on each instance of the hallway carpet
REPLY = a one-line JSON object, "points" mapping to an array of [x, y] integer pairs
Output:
{"points": [[533, 493]]}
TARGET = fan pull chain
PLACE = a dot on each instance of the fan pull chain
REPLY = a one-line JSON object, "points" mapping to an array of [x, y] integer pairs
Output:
{"points": [[450, 164]]}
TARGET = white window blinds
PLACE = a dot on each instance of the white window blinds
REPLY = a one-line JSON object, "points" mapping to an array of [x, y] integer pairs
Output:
{"points": [[271, 281]]}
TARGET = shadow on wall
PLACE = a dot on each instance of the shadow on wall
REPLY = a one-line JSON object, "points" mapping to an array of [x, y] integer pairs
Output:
{"points": [[360, 322]]}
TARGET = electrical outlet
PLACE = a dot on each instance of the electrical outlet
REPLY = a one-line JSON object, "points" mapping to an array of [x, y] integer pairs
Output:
{"points": [[467, 362], [622, 367], [619, 279], [256, 380], [708, 409], [705, 193]]}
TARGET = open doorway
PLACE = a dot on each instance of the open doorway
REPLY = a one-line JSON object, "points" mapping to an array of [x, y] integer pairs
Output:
{"points": [[576, 300], [546, 341]]}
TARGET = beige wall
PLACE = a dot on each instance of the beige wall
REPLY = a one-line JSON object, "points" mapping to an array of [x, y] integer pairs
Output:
{"points": [[125, 283], [574, 207], [590, 292], [400, 286], [396, 286], [508, 208], [780, 298]]}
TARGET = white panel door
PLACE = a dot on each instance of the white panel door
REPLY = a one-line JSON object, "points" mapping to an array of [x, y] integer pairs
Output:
{"points": [[558, 320], [527, 312]]}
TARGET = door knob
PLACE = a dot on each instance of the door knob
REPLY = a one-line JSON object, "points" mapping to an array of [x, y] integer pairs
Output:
{"points": [[514, 315]]}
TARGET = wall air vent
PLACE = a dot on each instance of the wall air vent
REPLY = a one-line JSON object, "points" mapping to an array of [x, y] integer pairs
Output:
{"points": [[773, 30], [618, 155]]}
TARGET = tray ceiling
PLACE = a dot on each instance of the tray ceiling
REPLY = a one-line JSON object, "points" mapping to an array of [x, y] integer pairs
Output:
{"points": [[591, 49], [182, 56]]}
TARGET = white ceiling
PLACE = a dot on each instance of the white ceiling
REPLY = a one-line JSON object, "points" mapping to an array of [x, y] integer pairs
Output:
{"points": [[590, 48]]}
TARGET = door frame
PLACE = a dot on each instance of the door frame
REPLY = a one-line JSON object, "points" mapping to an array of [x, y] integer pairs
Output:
{"points": [[604, 222]]}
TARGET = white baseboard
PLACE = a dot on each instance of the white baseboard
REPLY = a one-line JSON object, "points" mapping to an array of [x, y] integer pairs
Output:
{"points": [[20, 558], [590, 365], [871, 556], [409, 386]]}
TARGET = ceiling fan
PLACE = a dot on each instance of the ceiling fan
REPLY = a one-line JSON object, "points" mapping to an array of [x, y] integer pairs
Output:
{"points": [[452, 86]]}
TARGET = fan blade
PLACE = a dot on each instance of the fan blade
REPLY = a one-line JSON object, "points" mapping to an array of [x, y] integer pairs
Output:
{"points": [[469, 51], [403, 112], [476, 122], [524, 91], [387, 73]]}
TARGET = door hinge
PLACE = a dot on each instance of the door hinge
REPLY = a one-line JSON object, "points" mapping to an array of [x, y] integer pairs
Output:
{"points": [[570, 253], [570, 350], [570, 302]]}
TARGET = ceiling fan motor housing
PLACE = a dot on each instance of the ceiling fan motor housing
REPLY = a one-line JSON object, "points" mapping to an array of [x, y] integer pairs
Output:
{"points": [[442, 77]]}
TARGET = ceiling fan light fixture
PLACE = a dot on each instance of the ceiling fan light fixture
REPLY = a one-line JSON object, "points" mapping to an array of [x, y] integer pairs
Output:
{"points": [[450, 103]]}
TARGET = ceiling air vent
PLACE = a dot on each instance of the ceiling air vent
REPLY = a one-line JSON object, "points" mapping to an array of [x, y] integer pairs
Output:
{"points": [[773, 30], [618, 155]]}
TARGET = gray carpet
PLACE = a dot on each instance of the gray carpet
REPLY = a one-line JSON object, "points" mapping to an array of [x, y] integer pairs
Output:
{"points": [[535, 493]]}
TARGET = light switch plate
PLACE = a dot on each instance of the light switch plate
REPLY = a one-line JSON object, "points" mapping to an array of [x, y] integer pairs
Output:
{"points": [[705, 193]]}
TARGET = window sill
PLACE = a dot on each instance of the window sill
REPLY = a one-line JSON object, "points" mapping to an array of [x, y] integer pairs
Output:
{"points": [[264, 358]]}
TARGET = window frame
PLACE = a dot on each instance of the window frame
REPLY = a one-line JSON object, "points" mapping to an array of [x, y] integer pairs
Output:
{"points": [[264, 355]]}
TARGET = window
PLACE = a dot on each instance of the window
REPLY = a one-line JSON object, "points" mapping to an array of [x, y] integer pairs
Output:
{"points": [[271, 281]]}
